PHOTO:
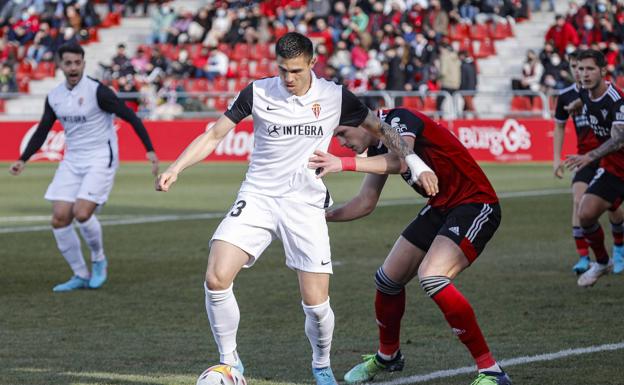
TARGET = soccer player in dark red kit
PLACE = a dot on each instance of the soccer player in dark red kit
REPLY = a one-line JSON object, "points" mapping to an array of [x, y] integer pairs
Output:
{"points": [[586, 141], [603, 111], [445, 238]]}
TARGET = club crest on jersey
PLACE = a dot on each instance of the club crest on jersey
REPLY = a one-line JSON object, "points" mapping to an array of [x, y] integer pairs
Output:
{"points": [[316, 108], [604, 113], [80, 101]]}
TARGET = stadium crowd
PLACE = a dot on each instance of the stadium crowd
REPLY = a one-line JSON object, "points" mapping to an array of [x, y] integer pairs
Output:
{"points": [[595, 24], [367, 45]]}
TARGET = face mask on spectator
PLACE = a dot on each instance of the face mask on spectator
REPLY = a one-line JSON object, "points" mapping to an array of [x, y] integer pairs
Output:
{"points": [[602, 8], [555, 60], [588, 25], [570, 49]]}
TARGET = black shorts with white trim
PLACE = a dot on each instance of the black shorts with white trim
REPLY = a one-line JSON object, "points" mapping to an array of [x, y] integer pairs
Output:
{"points": [[470, 226]]}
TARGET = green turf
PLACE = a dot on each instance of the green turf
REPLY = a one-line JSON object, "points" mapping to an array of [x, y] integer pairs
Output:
{"points": [[148, 324]]}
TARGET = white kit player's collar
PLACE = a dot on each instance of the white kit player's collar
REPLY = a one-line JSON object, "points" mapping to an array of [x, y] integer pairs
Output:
{"points": [[77, 84], [303, 98]]}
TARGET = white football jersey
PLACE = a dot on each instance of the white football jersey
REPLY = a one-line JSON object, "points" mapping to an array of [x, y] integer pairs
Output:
{"points": [[287, 131], [89, 131]]}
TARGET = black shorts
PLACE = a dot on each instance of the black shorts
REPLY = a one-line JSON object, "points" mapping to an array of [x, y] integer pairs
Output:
{"points": [[607, 186], [470, 226], [586, 174]]}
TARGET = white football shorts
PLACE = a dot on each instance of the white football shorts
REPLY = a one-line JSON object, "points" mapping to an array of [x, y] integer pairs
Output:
{"points": [[92, 183], [255, 220]]}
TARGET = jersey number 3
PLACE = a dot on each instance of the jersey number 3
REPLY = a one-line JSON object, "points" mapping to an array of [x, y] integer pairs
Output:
{"points": [[238, 208]]}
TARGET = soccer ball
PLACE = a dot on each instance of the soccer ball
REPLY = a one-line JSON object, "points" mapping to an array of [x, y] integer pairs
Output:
{"points": [[221, 375]]}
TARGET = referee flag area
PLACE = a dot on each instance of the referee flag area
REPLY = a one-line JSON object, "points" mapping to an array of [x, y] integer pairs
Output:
{"points": [[148, 325]]}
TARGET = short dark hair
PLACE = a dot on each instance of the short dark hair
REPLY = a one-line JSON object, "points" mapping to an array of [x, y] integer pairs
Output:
{"points": [[294, 44], [598, 57], [70, 48], [574, 55]]}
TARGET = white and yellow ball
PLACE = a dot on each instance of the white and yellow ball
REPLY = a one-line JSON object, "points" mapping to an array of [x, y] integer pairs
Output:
{"points": [[221, 375]]}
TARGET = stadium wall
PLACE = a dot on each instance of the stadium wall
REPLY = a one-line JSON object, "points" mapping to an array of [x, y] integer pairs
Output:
{"points": [[499, 140]]}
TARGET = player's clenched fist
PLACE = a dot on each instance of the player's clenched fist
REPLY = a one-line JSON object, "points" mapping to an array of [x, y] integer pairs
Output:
{"points": [[17, 167], [165, 180]]}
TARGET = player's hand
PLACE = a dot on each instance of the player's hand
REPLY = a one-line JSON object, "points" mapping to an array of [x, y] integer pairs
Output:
{"points": [[429, 181], [17, 167], [575, 107], [151, 155], [558, 169], [329, 215], [165, 180], [577, 162], [324, 163]]}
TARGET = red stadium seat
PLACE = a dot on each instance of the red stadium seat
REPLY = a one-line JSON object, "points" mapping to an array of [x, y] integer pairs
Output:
{"points": [[484, 48], [261, 51], [459, 31], [521, 103], [242, 69], [2, 106], [23, 85], [220, 84], [479, 32], [240, 83], [241, 51], [538, 104], [413, 102], [430, 104], [93, 35], [221, 103]]}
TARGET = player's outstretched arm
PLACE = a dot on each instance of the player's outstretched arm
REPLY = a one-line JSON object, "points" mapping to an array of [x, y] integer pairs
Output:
{"points": [[616, 142], [362, 204], [380, 164], [421, 173], [109, 102], [197, 151], [575, 107], [37, 140], [557, 147]]}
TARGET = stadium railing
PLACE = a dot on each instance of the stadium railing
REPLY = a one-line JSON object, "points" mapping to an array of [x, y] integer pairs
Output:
{"points": [[199, 104]]}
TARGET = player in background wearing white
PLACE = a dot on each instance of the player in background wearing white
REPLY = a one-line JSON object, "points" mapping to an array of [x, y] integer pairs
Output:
{"points": [[586, 141], [294, 114], [85, 176]]}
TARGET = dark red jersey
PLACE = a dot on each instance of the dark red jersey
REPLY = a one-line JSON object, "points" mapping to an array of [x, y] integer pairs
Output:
{"points": [[460, 178], [585, 138], [600, 114]]}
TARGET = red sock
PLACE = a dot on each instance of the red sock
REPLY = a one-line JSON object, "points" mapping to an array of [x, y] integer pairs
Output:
{"points": [[595, 237], [582, 247], [389, 310], [463, 321], [617, 229]]}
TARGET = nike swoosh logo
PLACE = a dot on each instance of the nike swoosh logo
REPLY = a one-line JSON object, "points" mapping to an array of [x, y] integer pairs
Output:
{"points": [[325, 262], [272, 109]]}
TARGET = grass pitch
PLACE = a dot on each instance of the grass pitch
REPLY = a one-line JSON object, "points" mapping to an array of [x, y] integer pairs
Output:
{"points": [[148, 325]]}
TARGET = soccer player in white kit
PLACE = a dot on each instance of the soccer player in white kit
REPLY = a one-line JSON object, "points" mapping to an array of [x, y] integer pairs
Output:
{"points": [[85, 176], [294, 114]]}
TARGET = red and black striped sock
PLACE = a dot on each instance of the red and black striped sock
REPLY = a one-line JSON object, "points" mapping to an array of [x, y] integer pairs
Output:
{"points": [[582, 247]]}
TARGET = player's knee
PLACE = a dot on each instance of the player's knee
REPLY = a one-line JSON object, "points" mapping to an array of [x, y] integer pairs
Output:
{"points": [[61, 220], [386, 285], [82, 215], [433, 284], [215, 281], [586, 217]]}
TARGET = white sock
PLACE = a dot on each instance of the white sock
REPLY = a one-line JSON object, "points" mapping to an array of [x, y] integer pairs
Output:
{"points": [[91, 231], [493, 368], [224, 316], [69, 245], [319, 327], [387, 357]]}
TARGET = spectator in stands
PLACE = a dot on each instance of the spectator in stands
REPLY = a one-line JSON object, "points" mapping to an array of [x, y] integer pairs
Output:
{"points": [[162, 19], [158, 60], [170, 105], [121, 65], [537, 5], [561, 34], [341, 60], [67, 37], [8, 83], [127, 86], [202, 22], [182, 67], [555, 76], [450, 71], [423, 49], [468, 81], [589, 34], [12, 12], [217, 65], [88, 14], [575, 14], [467, 11], [319, 8], [40, 50], [546, 53], [532, 72], [614, 59], [436, 19], [140, 62], [24, 30], [178, 31]]}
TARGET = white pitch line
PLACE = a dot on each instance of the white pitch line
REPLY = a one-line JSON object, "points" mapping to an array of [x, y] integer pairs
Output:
{"points": [[505, 363], [185, 217]]}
